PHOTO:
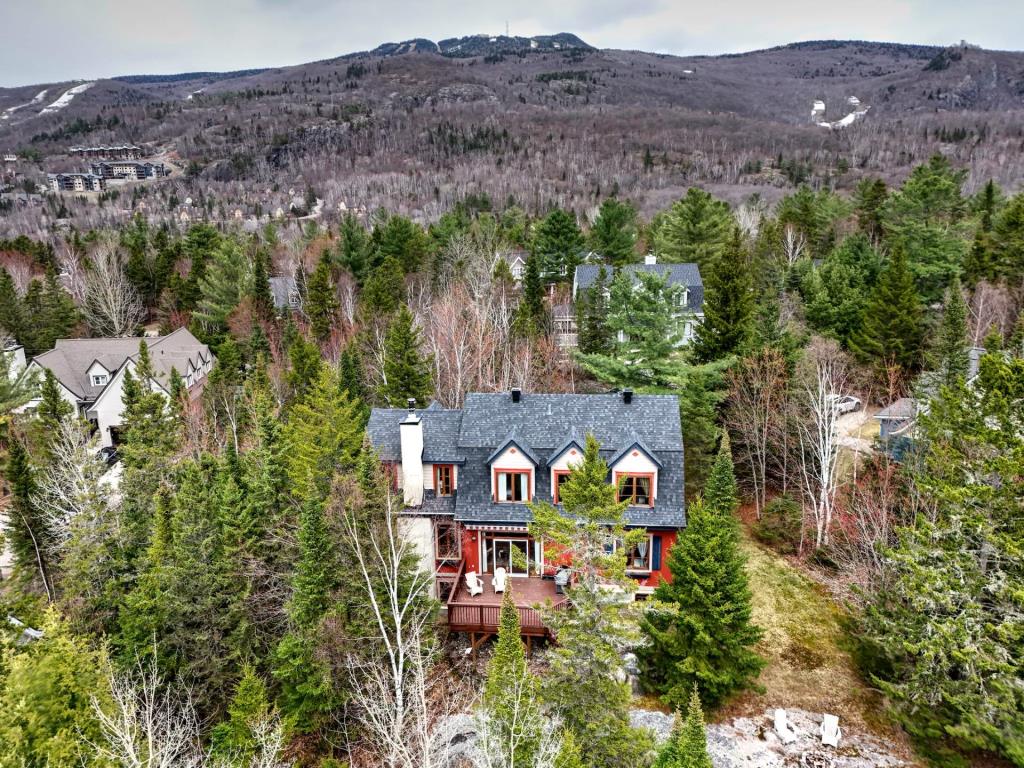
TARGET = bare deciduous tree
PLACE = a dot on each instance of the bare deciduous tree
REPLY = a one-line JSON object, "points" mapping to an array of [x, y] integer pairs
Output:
{"points": [[793, 244], [822, 377], [112, 305], [756, 415], [147, 727]]}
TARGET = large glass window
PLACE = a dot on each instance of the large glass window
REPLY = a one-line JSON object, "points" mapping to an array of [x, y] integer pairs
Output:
{"points": [[511, 485], [636, 489]]}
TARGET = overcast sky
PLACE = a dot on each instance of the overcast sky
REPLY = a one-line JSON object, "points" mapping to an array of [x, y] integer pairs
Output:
{"points": [[52, 40]]}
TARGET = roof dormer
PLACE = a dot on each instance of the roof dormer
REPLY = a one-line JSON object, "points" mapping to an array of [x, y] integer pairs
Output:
{"points": [[635, 471], [513, 471]]}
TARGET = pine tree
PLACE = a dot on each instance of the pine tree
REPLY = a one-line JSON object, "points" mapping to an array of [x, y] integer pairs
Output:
{"points": [[696, 230], [891, 331], [353, 243], [306, 364], [12, 312], [708, 642], [613, 235], [595, 337], [226, 279], [262, 296], [25, 532], [530, 314], [510, 704], [383, 291], [951, 354], [52, 408], [869, 200], [1008, 236], [558, 245], [687, 744], [321, 304], [406, 369], [728, 304]]}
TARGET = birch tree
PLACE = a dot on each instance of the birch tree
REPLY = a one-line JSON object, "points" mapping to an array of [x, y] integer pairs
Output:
{"points": [[821, 382]]}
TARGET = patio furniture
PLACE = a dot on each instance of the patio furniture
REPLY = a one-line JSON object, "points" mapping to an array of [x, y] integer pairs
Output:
{"points": [[561, 580], [498, 582], [782, 727], [830, 731], [473, 584]]}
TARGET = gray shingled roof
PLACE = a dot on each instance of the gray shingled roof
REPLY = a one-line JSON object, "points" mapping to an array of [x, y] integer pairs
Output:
{"points": [[440, 434], [904, 408], [687, 275], [70, 359], [544, 423]]}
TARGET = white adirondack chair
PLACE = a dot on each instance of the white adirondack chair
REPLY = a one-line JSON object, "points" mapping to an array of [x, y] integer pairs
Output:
{"points": [[473, 584], [830, 731], [782, 727], [498, 582]]}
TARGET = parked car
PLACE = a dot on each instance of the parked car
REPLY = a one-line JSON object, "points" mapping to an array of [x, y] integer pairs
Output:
{"points": [[109, 455], [846, 403]]}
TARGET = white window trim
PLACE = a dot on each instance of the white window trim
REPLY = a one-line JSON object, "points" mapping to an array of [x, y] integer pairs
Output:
{"points": [[100, 379]]}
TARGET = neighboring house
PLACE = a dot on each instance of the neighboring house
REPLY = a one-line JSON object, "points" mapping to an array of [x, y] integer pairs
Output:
{"points": [[686, 276], [15, 359], [118, 152], [467, 474], [516, 261], [286, 293], [90, 373], [898, 419]]}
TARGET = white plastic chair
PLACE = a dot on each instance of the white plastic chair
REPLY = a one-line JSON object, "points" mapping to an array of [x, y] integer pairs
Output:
{"points": [[782, 727], [498, 582], [473, 584], [830, 731]]}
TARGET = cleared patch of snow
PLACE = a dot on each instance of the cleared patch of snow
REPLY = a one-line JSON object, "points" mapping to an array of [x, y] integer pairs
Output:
{"points": [[35, 100], [66, 98], [194, 93], [687, 71], [818, 114], [534, 44]]}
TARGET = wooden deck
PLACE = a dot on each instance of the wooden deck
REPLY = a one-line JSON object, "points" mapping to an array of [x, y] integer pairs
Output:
{"points": [[481, 613]]}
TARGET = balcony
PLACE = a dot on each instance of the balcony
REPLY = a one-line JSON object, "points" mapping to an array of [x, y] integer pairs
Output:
{"points": [[481, 614]]}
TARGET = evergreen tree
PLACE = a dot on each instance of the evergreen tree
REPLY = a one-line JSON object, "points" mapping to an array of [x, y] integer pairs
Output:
{"points": [[696, 229], [558, 245], [530, 315], [324, 433], [951, 354], [52, 312], [16, 386], [582, 685], [925, 218], [383, 291], [406, 369], [837, 293], [12, 311], [236, 739], [52, 408], [321, 304], [869, 200], [49, 693], [595, 337], [398, 238], [510, 703], [891, 330], [687, 745], [1008, 236], [728, 304], [259, 291], [226, 279], [353, 244], [25, 532], [613, 235], [707, 639], [306, 364], [306, 692]]}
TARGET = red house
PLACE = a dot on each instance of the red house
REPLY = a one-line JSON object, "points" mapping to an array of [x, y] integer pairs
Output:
{"points": [[468, 474]]}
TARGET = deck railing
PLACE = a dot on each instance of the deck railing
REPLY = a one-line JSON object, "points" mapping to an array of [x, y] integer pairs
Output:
{"points": [[468, 614]]}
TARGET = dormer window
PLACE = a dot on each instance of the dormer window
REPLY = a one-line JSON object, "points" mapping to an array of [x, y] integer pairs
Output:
{"points": [[444, 479], [560, 475], [100, 379], [636, 488], [512, 485]]}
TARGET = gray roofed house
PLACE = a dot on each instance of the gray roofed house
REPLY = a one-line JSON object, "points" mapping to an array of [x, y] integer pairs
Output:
{"points": [[285, 291], [473, 470], [90, 372], [686, 276]]}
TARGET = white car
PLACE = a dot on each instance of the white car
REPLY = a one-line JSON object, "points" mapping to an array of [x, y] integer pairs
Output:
{"points": [[846, 403]]}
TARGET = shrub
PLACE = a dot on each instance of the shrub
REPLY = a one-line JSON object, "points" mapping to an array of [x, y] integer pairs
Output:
{"points": [[779, 526]]}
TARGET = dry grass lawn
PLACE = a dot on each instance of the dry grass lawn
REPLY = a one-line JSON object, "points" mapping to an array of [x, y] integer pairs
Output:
{"points": [[807, 667]]}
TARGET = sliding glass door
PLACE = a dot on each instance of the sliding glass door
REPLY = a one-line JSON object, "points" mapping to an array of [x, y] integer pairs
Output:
{"points": [[511, 554]]}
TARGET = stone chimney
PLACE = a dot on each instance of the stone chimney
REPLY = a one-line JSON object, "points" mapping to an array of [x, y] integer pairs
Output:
{"points": [[411, 435], [650, 258]]}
